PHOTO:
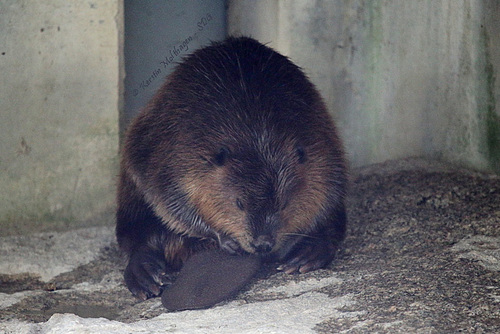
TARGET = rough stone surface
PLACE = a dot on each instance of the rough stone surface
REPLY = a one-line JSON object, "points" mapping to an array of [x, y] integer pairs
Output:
{"points": [[422, 256]]}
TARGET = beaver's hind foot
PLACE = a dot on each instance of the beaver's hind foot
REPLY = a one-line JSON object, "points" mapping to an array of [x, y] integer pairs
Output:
{"points": [[309, 257]]}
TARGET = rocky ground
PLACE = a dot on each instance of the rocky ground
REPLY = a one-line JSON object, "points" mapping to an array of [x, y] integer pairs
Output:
{"points": [[422, 256]]}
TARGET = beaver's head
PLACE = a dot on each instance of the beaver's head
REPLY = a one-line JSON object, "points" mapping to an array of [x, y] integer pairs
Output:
{"points": [[258, 190]]}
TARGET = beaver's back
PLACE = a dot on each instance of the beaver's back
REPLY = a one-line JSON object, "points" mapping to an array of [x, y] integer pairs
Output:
{"points": [[233, 92]]}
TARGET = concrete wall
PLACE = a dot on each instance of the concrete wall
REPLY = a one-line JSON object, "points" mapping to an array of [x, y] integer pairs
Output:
{"points": [[60, 65], [402, 78]]}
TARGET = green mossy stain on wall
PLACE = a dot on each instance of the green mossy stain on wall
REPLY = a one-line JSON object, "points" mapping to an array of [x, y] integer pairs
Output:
{"points": [[374, 60], [492, 117], [493, 135]]}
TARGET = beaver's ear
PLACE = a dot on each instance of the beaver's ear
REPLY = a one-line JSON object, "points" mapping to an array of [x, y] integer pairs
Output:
{"points": [[221, 156], [301, 153]]}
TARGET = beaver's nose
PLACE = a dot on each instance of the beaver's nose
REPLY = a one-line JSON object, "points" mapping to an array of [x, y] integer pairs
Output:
{"points": [[263, 243]]}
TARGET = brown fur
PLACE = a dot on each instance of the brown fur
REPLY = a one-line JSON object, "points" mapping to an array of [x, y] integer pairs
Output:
{"points": [[235, 151]]}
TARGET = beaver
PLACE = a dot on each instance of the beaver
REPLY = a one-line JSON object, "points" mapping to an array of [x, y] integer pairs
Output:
{"points": [[236, 151]]}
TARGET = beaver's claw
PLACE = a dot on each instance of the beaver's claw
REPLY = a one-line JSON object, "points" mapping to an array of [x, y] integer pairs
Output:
{"points": [[308, 257], [146, 274]]}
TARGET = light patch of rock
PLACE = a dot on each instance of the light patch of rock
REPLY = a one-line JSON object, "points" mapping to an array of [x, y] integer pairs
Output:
{"points": [[294, 315], [50, 254], [483, 249]]}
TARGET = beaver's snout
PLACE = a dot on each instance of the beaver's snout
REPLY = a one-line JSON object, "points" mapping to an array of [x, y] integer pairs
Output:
{"points": [[263, 243]]}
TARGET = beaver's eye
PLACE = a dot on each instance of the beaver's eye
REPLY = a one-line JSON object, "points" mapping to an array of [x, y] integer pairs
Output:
{"points": [[239, 204], [301, 154], [221, 156]]}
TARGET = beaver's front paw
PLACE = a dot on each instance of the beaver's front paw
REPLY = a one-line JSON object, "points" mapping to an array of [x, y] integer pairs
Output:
{"points": [[230, 245], [308, 257], [146, 274]]}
